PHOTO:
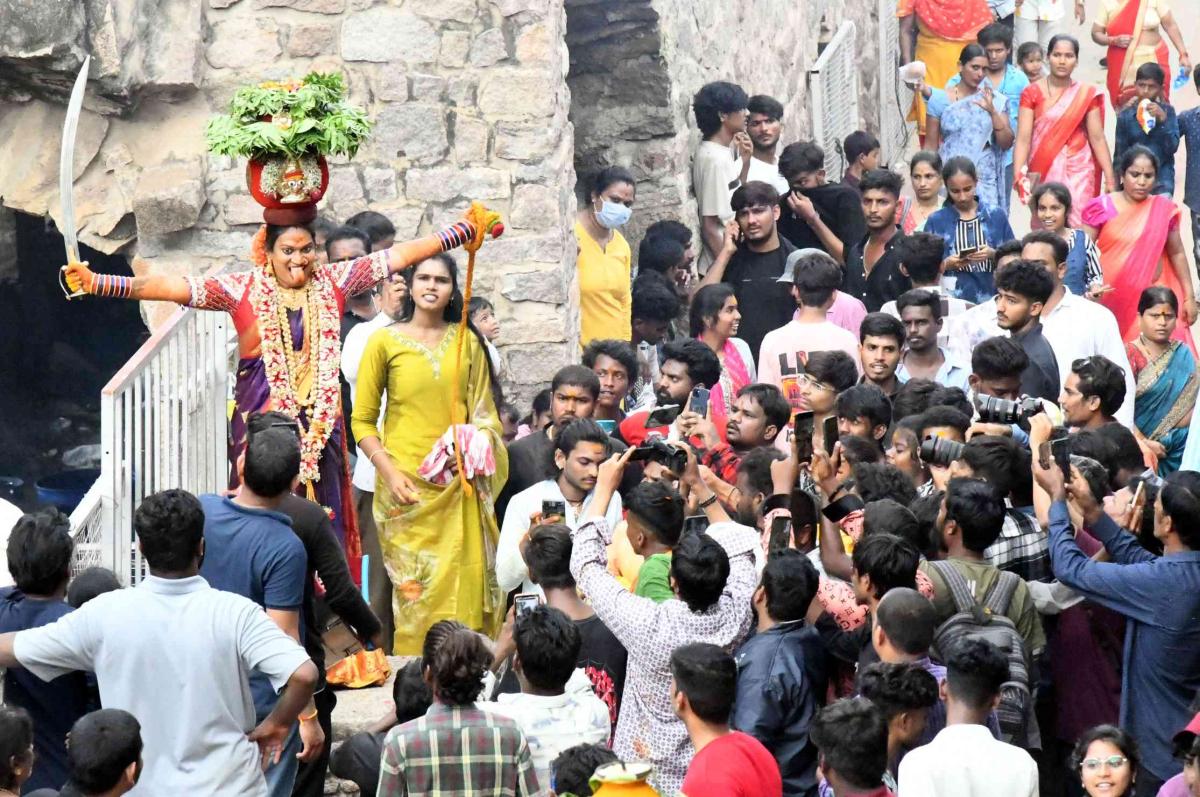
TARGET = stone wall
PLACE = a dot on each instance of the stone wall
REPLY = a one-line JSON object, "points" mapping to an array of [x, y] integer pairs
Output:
{"points": [[470, 100], [636, 65]]}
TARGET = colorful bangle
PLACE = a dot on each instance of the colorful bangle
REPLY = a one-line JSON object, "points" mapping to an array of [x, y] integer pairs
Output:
{"points": [[310, 717], [112, 285], [456, 235]]}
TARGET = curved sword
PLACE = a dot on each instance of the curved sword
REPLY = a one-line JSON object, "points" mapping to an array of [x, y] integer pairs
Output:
{"points": [[66, 169]]}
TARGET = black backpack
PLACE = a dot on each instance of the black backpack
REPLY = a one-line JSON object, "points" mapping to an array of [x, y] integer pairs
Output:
{"points": [[989, 621]]}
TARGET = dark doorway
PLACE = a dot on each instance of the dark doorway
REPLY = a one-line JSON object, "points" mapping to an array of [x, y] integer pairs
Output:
{"points": [[55, 356]]}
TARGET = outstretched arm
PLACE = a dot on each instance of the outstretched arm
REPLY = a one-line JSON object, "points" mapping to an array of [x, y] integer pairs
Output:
{"points": [[152, 287], [355, 276], [469, 233]]}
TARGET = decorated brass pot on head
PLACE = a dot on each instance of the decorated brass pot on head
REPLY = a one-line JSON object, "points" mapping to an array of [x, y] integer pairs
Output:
{"points": [[286, 130], [288, 188]]}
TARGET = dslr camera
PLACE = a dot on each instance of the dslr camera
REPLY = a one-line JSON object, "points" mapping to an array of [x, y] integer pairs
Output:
{"points": [[655, 449], [940, 451], [998, 410]]}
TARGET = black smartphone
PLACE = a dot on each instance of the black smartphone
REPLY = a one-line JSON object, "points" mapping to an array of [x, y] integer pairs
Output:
{"points": [[1060, 448], [802, 426], [526, 602], [698, 401], [663, 416], [695, 524], [554, 508], [829, 430]]}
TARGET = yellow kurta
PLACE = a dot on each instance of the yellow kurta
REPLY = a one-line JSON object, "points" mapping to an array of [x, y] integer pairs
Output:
{"points": [[605, 300], [439, 552]]}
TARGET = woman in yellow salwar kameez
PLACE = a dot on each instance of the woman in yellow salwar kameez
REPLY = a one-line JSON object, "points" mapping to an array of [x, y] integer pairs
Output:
{"points": [[438, 531]]}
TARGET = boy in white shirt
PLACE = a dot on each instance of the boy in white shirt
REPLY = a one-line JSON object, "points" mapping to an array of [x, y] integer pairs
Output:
{"points": [[964, 758]]}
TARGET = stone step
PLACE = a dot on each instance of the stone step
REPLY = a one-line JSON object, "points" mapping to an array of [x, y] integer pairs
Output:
{"points": [[356, 711]]}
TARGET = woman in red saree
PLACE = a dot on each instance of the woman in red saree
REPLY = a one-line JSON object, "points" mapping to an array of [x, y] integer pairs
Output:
{"points": [[1060, 133], [1138, 237], [1132, 30], [941, 28]]}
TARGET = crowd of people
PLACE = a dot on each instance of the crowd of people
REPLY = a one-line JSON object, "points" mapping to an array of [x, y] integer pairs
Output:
{"points": [[851, 491]]}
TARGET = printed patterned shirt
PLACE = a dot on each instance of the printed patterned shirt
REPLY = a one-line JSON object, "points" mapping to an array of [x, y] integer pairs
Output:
{"points": [[458, 751], [648, 729]]}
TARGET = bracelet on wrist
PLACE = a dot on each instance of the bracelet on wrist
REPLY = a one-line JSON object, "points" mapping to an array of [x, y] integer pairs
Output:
{"points": [[309, 717], [707, 502], [111, 285]]}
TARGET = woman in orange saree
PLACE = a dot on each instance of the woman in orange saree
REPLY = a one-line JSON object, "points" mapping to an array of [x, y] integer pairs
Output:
{"points": [[1060, 133], [942, 28], [1138, 237], [1132, 30]]}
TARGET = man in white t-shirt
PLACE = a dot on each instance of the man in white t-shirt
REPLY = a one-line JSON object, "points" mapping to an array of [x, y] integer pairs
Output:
{"points": [[579, 448], [393, 292], [964, 758], [764, 125], [176, 653], [720, 109], [1077, 327]]}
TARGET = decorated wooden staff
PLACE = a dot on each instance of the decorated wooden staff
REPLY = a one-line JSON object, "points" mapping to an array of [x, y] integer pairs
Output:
{"points": [[287, 308]]}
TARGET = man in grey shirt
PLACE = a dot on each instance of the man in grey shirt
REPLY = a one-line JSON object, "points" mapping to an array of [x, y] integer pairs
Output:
{"points": [[176, 654]]}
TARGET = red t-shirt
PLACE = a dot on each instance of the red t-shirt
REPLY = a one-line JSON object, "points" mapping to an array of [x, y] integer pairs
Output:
{"points": [[736, 765]]}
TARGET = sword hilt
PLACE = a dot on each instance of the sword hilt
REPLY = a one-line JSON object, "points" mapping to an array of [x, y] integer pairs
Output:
{"points": [[72, 257]]}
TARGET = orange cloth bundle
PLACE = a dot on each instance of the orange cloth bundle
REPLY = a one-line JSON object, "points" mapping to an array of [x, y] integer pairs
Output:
{"points": [[364, 668]]}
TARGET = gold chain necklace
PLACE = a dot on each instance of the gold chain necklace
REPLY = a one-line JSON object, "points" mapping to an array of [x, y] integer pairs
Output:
{"points": [[295, 300]]}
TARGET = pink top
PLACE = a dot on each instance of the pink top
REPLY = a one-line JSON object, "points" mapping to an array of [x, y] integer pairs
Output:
{"points": [[848, 313], [784, 353]]}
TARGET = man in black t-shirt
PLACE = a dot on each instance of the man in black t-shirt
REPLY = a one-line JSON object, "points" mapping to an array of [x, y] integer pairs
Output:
{"points": [[818, 214], [872, 271], [752, 259]]}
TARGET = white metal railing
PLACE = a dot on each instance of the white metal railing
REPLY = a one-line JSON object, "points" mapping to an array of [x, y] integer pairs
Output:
{"points": [[833, 84], [162, 425], [895, 97]]}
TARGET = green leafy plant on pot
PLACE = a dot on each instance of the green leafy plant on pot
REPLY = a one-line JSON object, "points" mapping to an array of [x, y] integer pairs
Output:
{"points": [[290, 119], [286, 130]]}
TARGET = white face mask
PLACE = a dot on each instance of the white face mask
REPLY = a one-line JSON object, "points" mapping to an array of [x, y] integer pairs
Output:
{"points": [[612, 215]]}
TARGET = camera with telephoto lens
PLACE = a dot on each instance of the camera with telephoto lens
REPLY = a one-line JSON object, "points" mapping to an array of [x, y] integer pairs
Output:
{"points": [[655, 449], [940, 451], [998, 410]]}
